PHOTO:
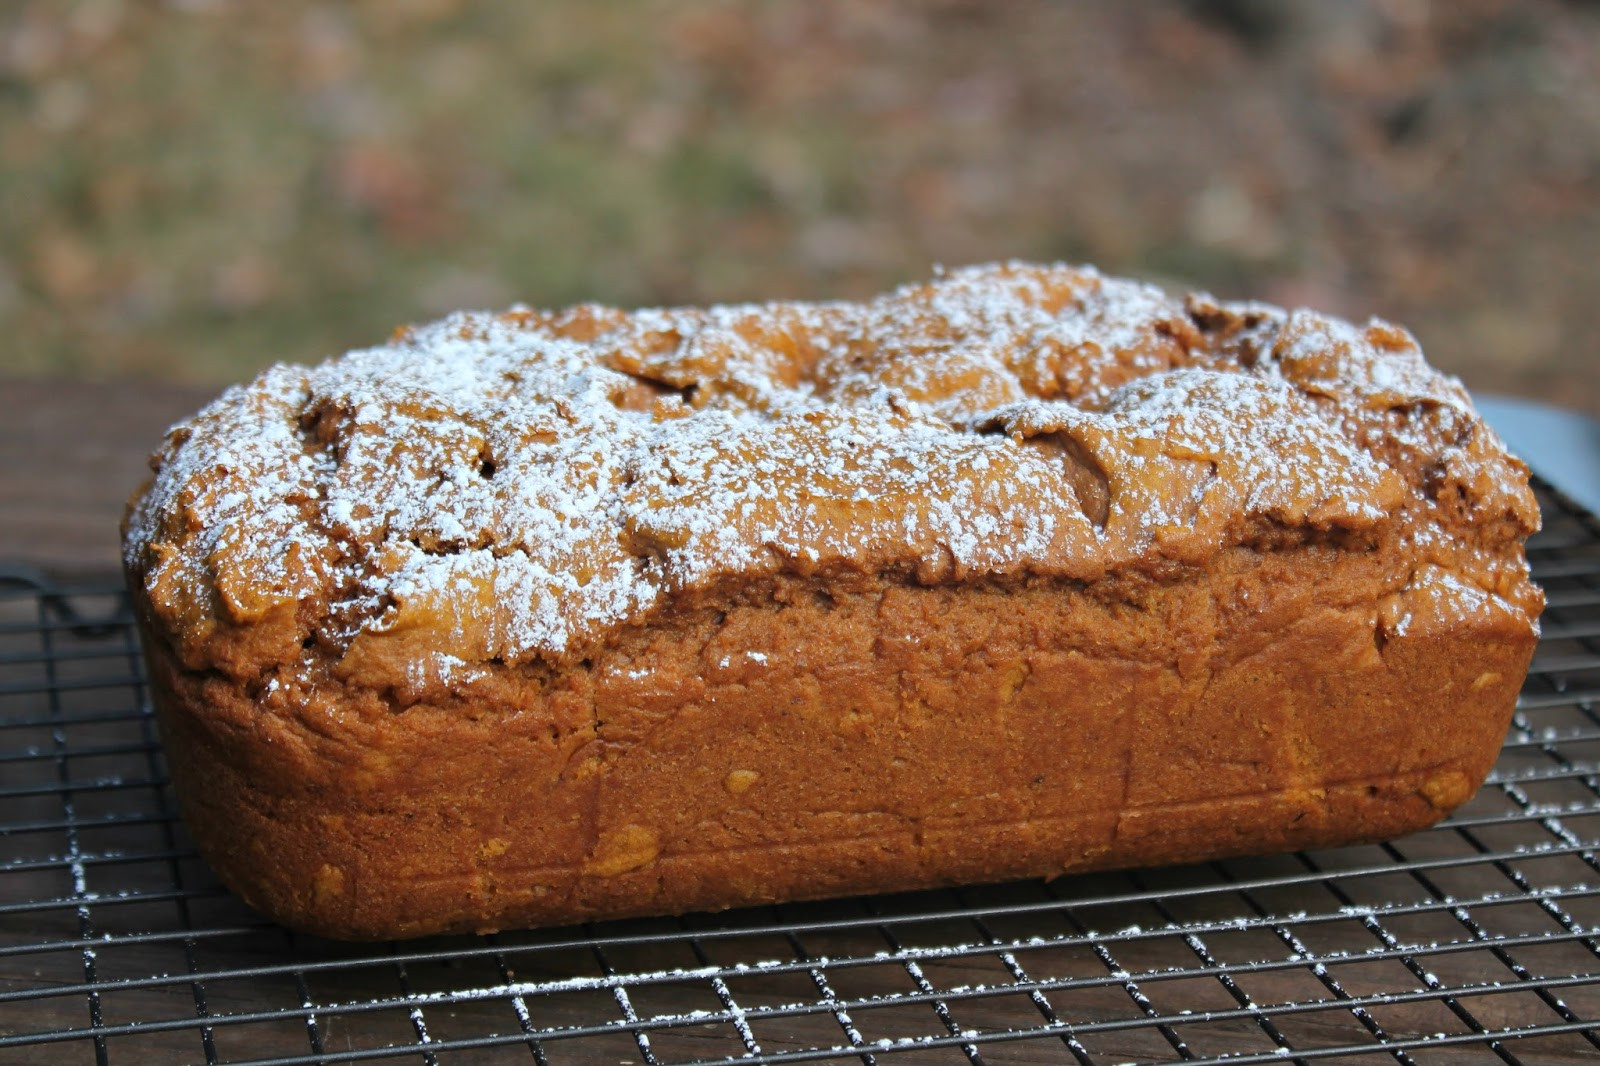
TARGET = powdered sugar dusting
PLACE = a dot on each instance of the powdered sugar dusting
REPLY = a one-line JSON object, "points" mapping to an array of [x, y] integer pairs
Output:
{"points": [[508, 487]]}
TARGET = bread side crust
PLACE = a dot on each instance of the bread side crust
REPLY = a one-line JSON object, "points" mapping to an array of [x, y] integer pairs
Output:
{"points": [[844, 734]]}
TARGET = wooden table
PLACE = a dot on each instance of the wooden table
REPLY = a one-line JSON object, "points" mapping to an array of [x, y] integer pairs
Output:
{"points": [[69, 456]]}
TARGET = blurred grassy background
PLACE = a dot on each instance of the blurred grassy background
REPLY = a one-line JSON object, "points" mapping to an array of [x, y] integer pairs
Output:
{"points": [[189, 191]]}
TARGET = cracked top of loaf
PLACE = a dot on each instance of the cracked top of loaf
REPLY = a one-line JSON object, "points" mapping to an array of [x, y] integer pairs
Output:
{"points": [[503, 488]]}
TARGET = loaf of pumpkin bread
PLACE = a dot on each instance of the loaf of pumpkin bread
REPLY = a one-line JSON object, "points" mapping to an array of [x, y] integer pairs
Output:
{"points": [[539, 617]]}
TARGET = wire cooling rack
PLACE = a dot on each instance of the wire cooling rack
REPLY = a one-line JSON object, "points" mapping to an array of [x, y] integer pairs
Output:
{"points": [[1476, 941]]}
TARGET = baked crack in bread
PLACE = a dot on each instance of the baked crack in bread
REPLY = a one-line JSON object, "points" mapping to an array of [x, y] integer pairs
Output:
{"points": [[546, 616]]}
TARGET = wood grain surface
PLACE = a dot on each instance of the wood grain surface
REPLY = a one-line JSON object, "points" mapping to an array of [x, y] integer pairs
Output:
{"points": [[70, 455]]}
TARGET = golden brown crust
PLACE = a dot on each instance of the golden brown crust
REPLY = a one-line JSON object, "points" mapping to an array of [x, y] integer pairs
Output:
{"points": [[889, 736], [1020, 572]]}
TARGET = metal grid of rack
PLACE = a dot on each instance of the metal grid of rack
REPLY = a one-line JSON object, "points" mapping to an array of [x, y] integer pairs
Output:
{"points": [[1476, 941]]}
